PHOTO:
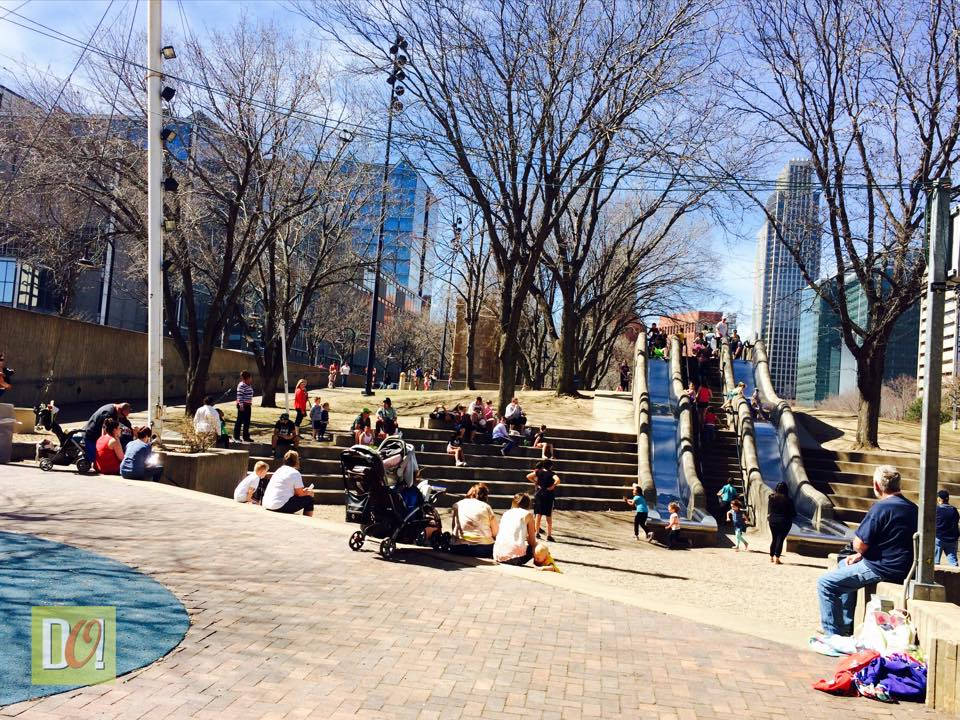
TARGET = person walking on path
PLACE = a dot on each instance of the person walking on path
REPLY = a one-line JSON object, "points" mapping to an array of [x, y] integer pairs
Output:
{"points": [[641, 513], [300, 401], [737, 516], [780, 514], [545, 489], [244, 408], [344, 374], [883, 551], [332, 376], [947, 530]]}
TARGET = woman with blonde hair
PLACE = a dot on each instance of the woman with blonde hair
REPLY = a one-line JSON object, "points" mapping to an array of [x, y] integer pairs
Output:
{"points": [[474, 524]]}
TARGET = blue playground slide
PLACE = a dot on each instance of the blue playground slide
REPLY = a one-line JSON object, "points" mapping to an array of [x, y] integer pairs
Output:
{"points": [[663, 436], [769, 456], [768, 446]]}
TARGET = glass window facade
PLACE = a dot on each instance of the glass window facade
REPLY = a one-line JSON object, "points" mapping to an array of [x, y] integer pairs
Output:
{"points": [[8, 275]]}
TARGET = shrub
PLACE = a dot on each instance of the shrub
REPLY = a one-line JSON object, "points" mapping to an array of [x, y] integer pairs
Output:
{"points": [[915, 412], [194, 441]]}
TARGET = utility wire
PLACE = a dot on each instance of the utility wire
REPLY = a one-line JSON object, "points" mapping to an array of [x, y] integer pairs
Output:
{"points": [[87, 46], [734, 184]]}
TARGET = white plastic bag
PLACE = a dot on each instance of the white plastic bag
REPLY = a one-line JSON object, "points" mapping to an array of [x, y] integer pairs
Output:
{"points": [[886, 632]]}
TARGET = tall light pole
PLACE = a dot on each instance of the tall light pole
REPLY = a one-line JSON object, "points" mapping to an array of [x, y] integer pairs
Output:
{"points": [[154, 218], [457, 229], [395, 79]]}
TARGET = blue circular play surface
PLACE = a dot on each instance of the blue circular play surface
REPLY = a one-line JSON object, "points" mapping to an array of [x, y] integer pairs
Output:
{"points": [[150, 620]]}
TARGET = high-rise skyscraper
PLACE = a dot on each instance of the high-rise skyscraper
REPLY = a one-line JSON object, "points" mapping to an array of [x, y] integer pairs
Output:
{"points": [[778, 280]]}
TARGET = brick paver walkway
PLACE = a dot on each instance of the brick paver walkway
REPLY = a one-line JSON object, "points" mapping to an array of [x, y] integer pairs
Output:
{"points": [[288, 623]]}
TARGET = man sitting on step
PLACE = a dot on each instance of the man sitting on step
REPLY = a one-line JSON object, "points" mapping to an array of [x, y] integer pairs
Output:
{"points": [[285, 436], [883, 551]]}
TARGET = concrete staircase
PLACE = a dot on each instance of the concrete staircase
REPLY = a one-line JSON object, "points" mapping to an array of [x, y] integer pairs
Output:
{"points": [[597, 470], [846, 477], [720, 464]]}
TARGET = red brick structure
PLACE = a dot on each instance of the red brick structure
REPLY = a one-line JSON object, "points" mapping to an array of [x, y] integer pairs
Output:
{"points": [[694, 321]]}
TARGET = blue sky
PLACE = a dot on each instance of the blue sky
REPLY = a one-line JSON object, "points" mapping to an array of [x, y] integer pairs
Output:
{"points": [[78, 18]]}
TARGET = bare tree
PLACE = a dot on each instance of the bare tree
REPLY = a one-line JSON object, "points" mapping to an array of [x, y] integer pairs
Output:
{"points": [[869, 90], [469, 265], [307, 256], [517, 102]]}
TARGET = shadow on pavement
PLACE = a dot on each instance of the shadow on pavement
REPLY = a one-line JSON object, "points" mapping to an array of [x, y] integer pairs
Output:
{"points": [[561, 562]]}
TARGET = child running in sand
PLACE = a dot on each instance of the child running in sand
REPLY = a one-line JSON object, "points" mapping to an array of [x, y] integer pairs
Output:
{"points": [[639, 504], [737, 516]]}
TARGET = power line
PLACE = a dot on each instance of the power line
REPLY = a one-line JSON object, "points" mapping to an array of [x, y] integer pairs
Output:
{"points": [[718, 183], [87, 46]]}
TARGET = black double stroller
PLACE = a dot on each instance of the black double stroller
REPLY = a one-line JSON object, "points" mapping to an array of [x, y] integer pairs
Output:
{"points": [[381, 497], [71, 450]]}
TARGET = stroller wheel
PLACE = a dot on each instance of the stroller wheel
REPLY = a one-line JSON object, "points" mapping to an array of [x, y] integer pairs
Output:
{"points": [[444, 542], [83, 466], [46, 465], [388, 547], [356, 540]]}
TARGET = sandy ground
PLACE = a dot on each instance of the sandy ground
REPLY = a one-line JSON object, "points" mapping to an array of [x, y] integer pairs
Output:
{"points": [[346, 404], [737, 591]]}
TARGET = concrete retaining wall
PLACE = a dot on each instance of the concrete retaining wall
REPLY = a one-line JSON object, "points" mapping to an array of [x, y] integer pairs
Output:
{"points": [[95, 363]]}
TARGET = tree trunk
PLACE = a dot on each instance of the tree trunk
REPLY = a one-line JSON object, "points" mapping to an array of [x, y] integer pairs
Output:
{"points": [[508, 370], [197, 377], [471, 346], [271, 374], [567, 361], [869, 384]]}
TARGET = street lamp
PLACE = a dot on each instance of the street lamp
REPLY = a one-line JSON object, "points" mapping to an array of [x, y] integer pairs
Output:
{"points": [[457, 229], [395, 79]]}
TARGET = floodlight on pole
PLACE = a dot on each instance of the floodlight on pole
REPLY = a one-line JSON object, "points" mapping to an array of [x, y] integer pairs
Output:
{"points": [[395, 77], [157, 137]]}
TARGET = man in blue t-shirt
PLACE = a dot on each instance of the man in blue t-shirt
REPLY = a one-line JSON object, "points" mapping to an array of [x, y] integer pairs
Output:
{"points": [[948, 530], [883, 550]]}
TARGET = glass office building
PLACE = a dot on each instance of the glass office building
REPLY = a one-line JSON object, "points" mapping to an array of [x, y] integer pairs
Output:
{"points": [[825, 367]]}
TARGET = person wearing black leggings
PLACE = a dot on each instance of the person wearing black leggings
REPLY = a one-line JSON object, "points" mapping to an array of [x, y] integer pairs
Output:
{"points": [[780, 514]]}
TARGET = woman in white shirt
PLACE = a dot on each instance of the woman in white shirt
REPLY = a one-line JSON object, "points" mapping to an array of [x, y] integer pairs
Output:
{"points": [[285, 492], [517, 536], [474, 524]]}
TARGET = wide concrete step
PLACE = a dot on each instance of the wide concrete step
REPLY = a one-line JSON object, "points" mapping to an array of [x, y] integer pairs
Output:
{"points": [[844, 479], [530, 454], [902, 461], [416, 435], [552, 432], [458, 487], [477, 474], [910, 472], [526, 464]]}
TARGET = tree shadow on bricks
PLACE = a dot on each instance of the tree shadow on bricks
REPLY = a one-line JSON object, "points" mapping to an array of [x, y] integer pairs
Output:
{"points": [[562, 562]]}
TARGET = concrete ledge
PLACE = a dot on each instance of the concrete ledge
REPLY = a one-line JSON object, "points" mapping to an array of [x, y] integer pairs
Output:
{"points": [[938, 632], [215, 473]]}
